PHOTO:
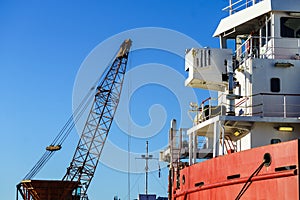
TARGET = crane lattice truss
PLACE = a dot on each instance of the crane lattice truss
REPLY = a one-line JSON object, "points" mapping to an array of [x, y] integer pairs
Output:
{"points": [[91, 143], [95, 131]]}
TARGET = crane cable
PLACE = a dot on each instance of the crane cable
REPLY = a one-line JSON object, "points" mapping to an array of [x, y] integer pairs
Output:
{"points": [[63, 133], [68, 127]]}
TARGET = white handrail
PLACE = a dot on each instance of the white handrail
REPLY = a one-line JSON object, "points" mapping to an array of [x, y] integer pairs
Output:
{"points": [[230, 5], [234, 7], [258, 106]]}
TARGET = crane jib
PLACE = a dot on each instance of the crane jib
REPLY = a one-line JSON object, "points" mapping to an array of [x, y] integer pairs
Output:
{"points": [[98, 123], [79, 174]]}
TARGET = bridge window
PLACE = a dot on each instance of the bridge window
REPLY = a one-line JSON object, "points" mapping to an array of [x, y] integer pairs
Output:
{"points": [[290, 27], [275, 85]]}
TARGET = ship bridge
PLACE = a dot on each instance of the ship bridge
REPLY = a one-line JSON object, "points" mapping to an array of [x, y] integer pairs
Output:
{"points": [[244, 15], [264, 28]]}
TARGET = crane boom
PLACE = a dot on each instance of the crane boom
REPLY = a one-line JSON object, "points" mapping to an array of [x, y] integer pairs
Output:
{"points": [[98, 123]]}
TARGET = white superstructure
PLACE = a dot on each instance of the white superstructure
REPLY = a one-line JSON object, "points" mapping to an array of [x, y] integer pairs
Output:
{"points": [[256, 73]]}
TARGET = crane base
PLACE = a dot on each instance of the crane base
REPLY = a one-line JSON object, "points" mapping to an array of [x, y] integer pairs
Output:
{"points": [[48, 189]]}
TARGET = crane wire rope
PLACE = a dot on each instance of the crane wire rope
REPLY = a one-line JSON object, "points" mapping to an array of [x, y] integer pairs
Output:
{"points": [[61, 137], [66, 129], [48, 154]]}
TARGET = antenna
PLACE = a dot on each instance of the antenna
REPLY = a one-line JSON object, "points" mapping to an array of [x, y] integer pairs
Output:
{"points": [[146, 158]]}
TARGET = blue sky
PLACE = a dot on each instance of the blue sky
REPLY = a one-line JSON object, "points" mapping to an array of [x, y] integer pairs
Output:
{"points": [[42, 46]]}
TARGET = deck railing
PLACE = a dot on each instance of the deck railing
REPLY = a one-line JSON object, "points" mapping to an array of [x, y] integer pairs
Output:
{"points": [[262, 105], [275, 105], [268, 48], [237, 5]]}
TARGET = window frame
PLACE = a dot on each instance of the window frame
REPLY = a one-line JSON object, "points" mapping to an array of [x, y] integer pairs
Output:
{"points": [[275, 84], [285, 31]]}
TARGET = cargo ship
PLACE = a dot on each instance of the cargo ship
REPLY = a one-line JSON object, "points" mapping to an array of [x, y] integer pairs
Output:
{"points": [[244, 138]]}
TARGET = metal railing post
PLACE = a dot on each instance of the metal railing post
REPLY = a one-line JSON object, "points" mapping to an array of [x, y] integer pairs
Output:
{"points": [[262, 105], [284, 106]]}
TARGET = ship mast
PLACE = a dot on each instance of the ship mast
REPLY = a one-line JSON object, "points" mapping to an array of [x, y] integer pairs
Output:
{"points": [[146, 169], [146, 157]]}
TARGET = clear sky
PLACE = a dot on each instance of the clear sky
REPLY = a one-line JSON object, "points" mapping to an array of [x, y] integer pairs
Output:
{"points": [[42, 46]]}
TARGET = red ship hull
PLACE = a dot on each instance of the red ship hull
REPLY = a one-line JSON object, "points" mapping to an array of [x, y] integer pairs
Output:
{"points": [[224, 177]]}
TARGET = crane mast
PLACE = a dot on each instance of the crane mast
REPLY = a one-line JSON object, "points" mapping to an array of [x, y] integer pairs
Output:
{"points": [[77, 179], [98, 123]]}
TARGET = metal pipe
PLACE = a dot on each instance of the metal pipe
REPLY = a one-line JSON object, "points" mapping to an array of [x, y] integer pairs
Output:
{"points": [[195, 147], [171, 171], [230, 96], [216, 139], [172, 140], [223, 137], [284, 106], [230, 90], [267, 31], [191, 148]]}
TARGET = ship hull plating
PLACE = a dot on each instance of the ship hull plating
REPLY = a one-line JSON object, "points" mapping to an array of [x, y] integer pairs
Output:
{"points": [[225, 177]]}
